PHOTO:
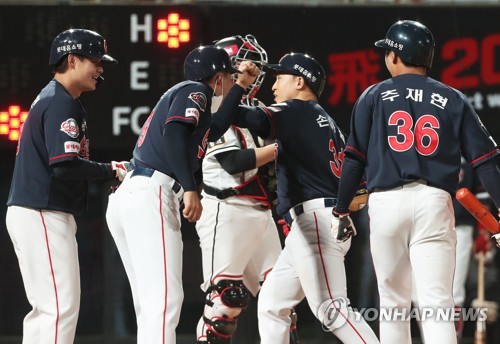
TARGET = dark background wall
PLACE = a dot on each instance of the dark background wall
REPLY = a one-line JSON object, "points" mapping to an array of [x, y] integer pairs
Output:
{"points": [[341, 38]]}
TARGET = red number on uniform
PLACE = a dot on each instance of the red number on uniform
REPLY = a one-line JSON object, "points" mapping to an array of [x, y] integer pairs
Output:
{"points": [[425, 137], [144, 129], [404, 140], [338, 158]]}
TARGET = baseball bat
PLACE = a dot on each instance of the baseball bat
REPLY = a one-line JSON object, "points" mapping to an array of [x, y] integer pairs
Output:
{"points": [[478, 210]]}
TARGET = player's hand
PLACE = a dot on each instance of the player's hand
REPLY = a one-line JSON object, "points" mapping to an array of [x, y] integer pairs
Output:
{"points": [[192, 206], [284, 227], [497, 238], [249, 72], [345, 227], [120, 168]]}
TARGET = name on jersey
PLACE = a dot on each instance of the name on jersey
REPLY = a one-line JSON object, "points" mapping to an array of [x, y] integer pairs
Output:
{"points": [[416, 95], [199, 99], [69, 48], [70, 127]]}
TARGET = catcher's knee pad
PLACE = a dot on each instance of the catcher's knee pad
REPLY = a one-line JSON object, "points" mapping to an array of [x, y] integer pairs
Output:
{"points": [[224, 303], [333, 313]]}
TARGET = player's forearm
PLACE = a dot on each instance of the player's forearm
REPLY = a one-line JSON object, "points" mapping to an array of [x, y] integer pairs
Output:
{"points": [[352, 173], [222, 119], [82, 169], [176, 135], [254, 119], [265, 154], [489, 174]]}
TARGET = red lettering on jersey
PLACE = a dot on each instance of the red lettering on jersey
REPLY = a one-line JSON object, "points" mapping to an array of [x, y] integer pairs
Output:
{"points": [[199, 99], [204, 143], [144, 129], [70, 127], [84, 149]]}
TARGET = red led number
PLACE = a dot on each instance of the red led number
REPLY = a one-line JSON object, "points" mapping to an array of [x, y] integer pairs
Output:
{"points": [[173, 30], [424, 135], [11, 122]]}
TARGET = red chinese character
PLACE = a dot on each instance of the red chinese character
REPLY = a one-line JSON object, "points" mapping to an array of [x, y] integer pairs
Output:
{"points": [[351, 73]]}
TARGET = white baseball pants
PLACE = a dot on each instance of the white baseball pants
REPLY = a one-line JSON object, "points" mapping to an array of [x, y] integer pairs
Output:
{"points": [[46, 247]]}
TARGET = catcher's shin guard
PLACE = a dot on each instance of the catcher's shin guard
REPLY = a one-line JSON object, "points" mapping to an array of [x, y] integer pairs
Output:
{"points": [[223, 304]]}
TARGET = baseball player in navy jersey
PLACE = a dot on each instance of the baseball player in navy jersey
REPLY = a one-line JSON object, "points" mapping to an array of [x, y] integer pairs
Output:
{"points": [[49, 187], [144, 214], [238, 236], [407, 135], [310, 149]]}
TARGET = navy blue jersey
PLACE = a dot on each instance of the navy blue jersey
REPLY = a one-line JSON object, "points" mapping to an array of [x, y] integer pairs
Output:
{"points": [[187, 102], [54, 131], [310, 149], [413, 127]]}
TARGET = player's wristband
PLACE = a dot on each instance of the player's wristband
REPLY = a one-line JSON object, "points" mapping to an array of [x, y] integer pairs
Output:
{"points": [[340, 212]]}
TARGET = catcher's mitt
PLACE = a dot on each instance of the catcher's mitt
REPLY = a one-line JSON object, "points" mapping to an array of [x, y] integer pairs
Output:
{"points": [[359, 200]]}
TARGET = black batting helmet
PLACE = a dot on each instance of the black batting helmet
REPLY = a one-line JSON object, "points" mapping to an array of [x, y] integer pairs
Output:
{"points": [[411, 41], [203, 62], [302, 65], [81, 42], [246, 48]]}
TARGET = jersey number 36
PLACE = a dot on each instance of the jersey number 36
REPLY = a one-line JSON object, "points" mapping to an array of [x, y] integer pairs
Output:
{"points": [[423, 135]]}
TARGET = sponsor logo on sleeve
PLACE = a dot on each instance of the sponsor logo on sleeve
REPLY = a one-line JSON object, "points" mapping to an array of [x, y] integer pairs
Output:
{"points": [[199, 99], [70, 127], [192, 112], [71, 147]]}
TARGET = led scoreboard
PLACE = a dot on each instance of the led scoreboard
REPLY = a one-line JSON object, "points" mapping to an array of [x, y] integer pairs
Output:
{"points": [[149, 42]]}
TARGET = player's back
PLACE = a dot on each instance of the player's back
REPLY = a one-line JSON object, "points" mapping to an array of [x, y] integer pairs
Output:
{"points": [[411, 127], [310, 151], [185, 102]]}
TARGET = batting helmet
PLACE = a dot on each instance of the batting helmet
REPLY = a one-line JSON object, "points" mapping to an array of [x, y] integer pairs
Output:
{"points": [[302, 65], [411, 41], [203, 62], [81, 42], [246, 49]]}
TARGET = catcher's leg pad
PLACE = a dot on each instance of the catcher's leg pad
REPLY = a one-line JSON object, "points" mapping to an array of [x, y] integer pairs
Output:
{"points": [[223, 304]]}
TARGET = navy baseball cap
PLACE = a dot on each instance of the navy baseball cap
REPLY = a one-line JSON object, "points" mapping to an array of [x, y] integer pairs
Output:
{"points": [[301, 65]]}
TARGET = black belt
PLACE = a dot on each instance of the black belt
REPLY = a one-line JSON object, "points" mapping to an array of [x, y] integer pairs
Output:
{"points": [[299, 209], [148, 172], [221, 194]]}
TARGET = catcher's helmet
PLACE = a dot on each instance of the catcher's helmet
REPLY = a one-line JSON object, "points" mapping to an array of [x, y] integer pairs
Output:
{"points": [[81, 42], [411, 41], [203, 62], [246, 49], [302, 65]]}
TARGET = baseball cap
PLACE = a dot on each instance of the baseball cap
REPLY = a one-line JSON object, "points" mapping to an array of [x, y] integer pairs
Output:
{"points": [[303, 65]]}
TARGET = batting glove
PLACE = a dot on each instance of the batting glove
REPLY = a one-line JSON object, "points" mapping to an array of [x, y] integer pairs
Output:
{"points": [[284, 227], [497, 238], [120, 168], [346, 228]]}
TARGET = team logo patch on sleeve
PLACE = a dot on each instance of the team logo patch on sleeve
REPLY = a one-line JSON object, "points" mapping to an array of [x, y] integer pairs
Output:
{"points": [[71, 147], [192, 112], [70, 127], [199, 99]]}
